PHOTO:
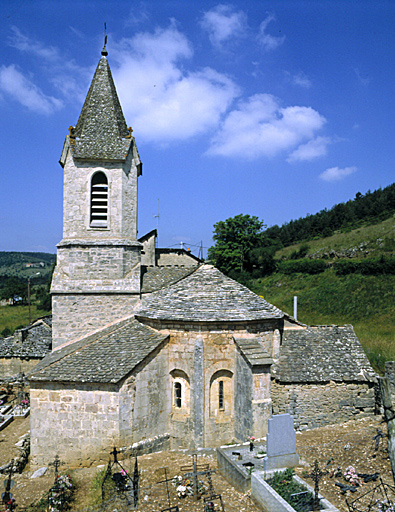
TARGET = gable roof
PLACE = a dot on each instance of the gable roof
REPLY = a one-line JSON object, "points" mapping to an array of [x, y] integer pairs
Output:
{"points": [[321, 354], [206, 295], [31, 342], [106, 356], [101, 132]]}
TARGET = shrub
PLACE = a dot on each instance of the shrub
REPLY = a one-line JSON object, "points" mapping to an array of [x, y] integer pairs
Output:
{"points": [[303, 266], [376, 266]]}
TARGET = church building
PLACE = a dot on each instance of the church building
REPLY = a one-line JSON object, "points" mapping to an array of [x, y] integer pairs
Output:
{"points": [[152, 343]]}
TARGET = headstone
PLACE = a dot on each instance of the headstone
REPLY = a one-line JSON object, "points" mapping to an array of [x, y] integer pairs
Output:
{"points": [[281, 443]]}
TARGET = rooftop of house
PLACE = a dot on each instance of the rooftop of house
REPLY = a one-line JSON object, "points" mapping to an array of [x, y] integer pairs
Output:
{"points": [[206, 295], [107, 356], [322, 354], [32, 342]]}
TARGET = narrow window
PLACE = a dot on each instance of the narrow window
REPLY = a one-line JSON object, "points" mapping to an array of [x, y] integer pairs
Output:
{"points": [[99, 200], [221, 394], [177, 394]]}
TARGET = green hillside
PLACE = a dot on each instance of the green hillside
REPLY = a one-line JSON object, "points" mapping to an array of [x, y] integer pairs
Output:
{"points": [[24, 264], [325, 298]]}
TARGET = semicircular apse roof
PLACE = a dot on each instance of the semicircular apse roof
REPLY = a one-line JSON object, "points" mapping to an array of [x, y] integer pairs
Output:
{"points": [[206, 295]]}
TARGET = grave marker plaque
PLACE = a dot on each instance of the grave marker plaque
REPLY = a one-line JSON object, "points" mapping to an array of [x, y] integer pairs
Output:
{"points": [[281, 443]]}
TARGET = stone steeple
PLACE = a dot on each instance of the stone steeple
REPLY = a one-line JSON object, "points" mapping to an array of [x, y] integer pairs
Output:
{"points": [[101, 132], [97, 279]]}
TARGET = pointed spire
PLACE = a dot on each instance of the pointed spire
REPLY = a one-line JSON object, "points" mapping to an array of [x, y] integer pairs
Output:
{"points": [[101, 132]]}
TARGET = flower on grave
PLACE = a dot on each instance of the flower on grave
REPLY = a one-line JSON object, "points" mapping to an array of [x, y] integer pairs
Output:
{"points": [[251, 439], [351, 476], [123, 472], [182, 491], [25, 402]]}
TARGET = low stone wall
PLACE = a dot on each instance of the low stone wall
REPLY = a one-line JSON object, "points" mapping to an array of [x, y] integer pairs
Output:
{"points": [[11, 366], [156, 444], [317, 405]]}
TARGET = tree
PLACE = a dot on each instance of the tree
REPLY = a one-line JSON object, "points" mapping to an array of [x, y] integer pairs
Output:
{"points": [[14, 287], [234, 239]]}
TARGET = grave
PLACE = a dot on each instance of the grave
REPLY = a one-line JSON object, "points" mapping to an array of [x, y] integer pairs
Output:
{"points": [[281, 443]]}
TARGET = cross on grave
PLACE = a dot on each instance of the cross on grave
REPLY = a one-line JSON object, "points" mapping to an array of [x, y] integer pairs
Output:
{"points": [[316, 476], [198, 470], [167, 480], [56, 464], [6, 496], [114, 453]]}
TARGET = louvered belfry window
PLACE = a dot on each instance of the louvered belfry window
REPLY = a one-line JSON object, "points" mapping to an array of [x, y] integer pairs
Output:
{"points": [[99, 201]]}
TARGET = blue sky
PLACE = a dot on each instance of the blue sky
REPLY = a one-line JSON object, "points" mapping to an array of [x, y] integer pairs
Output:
{"points": [[272, 108]]}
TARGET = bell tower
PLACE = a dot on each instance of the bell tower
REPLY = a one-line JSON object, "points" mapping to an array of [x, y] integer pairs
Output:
{"points": [[97, 276]]}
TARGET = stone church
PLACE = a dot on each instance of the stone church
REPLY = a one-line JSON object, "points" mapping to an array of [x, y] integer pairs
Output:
{"points": [[153, 344]]}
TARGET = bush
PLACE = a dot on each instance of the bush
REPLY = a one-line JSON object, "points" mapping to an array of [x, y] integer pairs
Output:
{"points": [[374, 267], [302, 266]]}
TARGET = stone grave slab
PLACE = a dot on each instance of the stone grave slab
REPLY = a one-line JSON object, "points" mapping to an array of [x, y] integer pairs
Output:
{"points": [[281, 443]]}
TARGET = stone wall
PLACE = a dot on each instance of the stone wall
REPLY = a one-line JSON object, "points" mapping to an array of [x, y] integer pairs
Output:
{"points": [[317, 405], [204, 357], [390, 375], [11, 366], [78, 423], [174, 257], [122, 199], [75, 316]]}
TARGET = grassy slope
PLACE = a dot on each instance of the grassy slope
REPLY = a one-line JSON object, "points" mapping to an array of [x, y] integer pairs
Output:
{"points": [[18, 316], [367, 302]]}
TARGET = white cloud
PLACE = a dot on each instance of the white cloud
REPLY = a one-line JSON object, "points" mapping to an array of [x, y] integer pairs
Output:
{"points": [[302, 80], [223, 23], [161, 100], [312, 149], [268, 41], [337, 174], [260, 127], [25, 44], [16, 85]]}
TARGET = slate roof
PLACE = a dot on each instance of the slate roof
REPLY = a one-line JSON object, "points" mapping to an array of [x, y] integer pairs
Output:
{"points": [[253, 351], [101, 132], [321, 354], [105, 356], [206, 295], [156, 278], [31, 342]]}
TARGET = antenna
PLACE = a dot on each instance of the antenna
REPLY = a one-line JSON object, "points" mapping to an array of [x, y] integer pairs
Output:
{"points": [[200, 256], [157, 225]]}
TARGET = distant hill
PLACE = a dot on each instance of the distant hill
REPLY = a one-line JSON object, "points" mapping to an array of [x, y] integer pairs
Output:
{"points": [[24, 264]]}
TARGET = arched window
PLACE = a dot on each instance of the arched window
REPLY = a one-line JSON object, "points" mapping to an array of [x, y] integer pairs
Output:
{"points": [[221, 395], [99, 201], [180, 392]]}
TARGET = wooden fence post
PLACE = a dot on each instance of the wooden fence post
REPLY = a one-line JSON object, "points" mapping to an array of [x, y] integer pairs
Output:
{"points": [[389, 417]]}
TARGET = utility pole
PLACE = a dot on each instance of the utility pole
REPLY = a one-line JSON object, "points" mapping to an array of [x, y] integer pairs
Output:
{"points": [[157, 226], [28, 291]]}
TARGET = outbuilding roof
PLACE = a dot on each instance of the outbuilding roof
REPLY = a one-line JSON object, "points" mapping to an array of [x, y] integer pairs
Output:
{"points": [[106, 356], [206, 295], [322, 354], [31, 342]]}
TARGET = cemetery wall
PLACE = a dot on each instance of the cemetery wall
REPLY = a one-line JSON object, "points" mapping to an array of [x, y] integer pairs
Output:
{"points": [[11, 366], [86, 420], [317, 405], [75, 316], [390, 375]]}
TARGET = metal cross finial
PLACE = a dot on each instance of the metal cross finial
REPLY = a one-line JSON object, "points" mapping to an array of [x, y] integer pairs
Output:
{"points": [[104, 52]]}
